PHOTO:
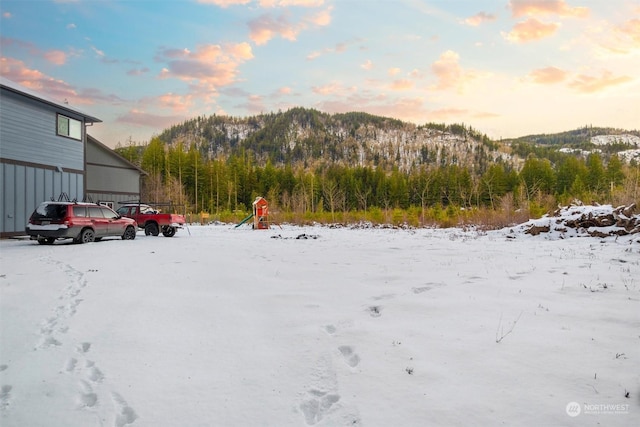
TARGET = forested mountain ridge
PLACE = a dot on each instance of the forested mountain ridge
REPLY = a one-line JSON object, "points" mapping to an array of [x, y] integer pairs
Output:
{"points": [[579, 142], [307, 136], [311, 164], [573, 138]]}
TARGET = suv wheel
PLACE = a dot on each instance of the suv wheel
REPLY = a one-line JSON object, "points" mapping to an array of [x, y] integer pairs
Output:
{"points": [[129, 233], [151, 229], [86, 236]]}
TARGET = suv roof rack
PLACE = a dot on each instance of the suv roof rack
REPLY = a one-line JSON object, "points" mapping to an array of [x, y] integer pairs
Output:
{"points": [[63, 197]]}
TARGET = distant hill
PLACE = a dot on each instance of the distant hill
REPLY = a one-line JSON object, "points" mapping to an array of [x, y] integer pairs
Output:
{"points": [[307, 136], [579, 137], [580, 142], [302, 136]]}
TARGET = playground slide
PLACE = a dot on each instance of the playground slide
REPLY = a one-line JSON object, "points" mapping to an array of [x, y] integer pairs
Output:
{"points": [[244, 220]]}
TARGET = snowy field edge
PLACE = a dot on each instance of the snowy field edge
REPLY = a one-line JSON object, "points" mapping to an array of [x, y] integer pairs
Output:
{"points": [[220, 326]]}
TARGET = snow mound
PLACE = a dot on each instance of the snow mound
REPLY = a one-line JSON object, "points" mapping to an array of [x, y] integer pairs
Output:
{"points": [[579, 220]]}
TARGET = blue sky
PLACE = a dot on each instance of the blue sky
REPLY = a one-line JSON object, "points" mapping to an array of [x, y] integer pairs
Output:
{"points": [[506, 67]]}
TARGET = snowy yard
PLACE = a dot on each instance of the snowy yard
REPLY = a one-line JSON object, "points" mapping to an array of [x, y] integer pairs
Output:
{"points": [[357, 327]]}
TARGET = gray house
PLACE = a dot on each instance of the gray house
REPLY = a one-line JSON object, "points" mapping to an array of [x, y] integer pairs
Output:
{"points": [[44, 155], [111, 179]]}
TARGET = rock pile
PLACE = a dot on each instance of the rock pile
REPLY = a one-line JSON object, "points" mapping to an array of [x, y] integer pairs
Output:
{"points": [[600, 222]]}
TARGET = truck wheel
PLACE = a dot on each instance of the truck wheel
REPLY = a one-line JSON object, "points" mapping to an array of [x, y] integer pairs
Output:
{"points": [[168, 231], [129, 233], [86, 236], [151, 229]]}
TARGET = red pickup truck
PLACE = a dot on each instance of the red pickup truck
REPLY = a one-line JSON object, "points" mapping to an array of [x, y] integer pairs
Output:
{"points": [[151, 220]]}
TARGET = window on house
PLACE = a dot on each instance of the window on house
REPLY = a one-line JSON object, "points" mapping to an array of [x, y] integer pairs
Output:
{"points": [[69, 127]]}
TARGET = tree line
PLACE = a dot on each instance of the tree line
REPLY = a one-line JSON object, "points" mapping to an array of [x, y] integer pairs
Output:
{"points": [[226, 186]]}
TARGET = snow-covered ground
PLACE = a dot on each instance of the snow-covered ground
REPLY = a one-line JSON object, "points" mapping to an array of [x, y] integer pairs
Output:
{"points": [[349, 327]]}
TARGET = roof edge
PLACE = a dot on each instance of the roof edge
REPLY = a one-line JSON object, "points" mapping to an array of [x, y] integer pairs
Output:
{"points": [[29, 93]]}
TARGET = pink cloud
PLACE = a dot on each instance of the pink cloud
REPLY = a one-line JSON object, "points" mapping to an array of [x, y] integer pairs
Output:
{"points": [[138, 71], [211, 66], [320, 19], [367, 65], [548, 75], [589, 84], [450, 74], [402, 84], [338, 48], [266, 27], [479, 18], [155, 121], [618, 39], [546, 7], [224, 3], [531, 30], [447, 70], [56, 57], [333, 88], [177, 103], [18, 72], [631, 29]]}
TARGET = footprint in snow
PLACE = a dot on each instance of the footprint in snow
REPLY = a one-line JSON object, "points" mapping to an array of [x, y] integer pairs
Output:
{"points": [[330, 329], [83, 347], [70, 365], [351, 358], [5, 396], [94, 374], [48, 342], [87, 398], [317, 406], [125, 414]]}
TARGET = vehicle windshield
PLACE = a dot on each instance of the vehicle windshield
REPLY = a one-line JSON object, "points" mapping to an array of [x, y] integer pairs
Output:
{"points": [[49, 211]]}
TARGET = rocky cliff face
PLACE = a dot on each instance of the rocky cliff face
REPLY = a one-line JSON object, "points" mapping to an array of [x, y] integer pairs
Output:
{"points": [[356, 139]]}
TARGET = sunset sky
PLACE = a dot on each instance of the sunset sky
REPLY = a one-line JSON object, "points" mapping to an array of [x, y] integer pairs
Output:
{"points": [[506, 67]]}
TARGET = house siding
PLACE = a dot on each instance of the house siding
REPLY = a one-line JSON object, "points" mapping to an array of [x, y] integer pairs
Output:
{"points": [[36, 164], [110, 177], [106, 178], [25, 187], [28, 134]]}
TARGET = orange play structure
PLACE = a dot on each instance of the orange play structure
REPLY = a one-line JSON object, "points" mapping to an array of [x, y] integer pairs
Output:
{"points": [[260, 214]]}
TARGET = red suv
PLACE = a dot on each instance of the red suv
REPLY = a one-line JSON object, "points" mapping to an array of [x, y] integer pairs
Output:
{"points": [[82, 222]]}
